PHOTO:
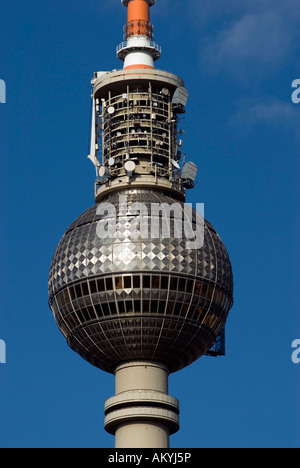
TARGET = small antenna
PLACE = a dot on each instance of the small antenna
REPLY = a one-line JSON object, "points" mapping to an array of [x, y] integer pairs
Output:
{"points": [[93, 148]]}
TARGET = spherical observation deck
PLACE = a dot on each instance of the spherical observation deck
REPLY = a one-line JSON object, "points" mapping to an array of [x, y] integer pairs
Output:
{"points": [[124, 298]]}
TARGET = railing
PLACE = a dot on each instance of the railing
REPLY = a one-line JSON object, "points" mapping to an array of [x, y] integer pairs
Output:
{"points": [[152, 45]]}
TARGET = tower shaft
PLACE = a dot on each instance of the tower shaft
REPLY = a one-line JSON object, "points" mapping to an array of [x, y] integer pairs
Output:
{"points": [[142, 414]]}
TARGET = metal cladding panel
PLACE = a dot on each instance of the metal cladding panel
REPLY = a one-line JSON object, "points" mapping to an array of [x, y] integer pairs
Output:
{"points": [[122, 298], [180, 96], [189, 171]]}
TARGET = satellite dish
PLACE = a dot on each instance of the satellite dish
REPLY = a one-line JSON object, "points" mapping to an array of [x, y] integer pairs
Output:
{"points": [[104, 172], [130, 167], [111, 110], [111, 162], [175, 164]]}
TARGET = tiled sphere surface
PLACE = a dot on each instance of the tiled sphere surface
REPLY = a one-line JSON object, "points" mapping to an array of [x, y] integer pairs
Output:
{"points": [[125, 296]]}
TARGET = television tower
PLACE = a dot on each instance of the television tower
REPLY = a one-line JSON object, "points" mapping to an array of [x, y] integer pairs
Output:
{"points": [[129, 290]]}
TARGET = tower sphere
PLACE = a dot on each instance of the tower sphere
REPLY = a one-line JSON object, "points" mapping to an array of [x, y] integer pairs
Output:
{"points": [[122, 298]]}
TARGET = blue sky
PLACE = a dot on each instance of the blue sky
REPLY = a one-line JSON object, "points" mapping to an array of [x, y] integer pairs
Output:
{"points": [[238, 60]]}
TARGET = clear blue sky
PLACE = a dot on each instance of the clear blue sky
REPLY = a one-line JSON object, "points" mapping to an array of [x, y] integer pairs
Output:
{"points": [[238, 60]]}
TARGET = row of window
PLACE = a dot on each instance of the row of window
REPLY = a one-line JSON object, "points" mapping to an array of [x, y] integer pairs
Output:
{"points": [[141, 110], [139, 146], [137, 139], [127, 283], [153, 296], [122, 102], [138, 121], [157, 118]]}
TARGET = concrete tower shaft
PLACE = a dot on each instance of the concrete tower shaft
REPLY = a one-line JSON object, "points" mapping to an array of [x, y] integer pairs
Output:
{"points": [[142, 414]]}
